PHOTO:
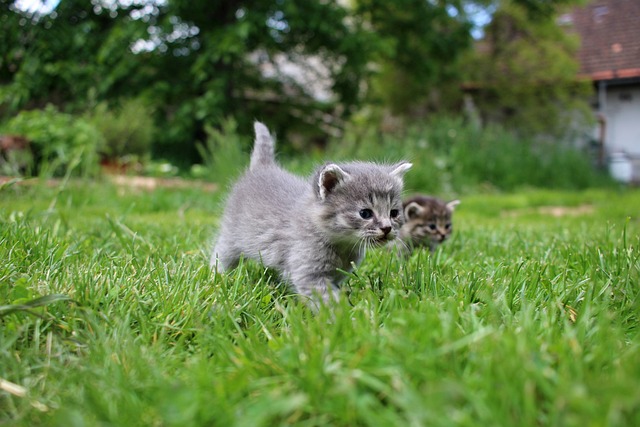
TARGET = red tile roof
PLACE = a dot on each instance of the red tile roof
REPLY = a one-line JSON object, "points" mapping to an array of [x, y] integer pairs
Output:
{"points": [[610, 38]]}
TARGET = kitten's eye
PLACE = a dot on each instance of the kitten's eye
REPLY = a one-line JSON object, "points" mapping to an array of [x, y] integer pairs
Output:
{"points": [[448, 226], [432, 226], [366, 213], [394, 213]]}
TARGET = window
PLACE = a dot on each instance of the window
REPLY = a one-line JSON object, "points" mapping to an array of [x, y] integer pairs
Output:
{"points": [[599, 12]]}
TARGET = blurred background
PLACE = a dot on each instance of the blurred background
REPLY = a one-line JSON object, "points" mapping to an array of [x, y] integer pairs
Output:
{"points": [[479, 94]]}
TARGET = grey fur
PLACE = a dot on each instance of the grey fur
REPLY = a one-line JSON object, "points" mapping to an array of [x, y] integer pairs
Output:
{"points": [[308, 230], [263, 149]]}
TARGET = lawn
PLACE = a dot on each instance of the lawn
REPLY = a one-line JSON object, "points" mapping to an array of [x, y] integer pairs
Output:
{"points": [[110, 316]]}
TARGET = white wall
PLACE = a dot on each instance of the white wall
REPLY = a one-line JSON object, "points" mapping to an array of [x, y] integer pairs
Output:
{"points": [[622, 110]]}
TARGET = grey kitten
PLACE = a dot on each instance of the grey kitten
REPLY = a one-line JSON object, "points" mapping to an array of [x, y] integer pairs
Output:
{"points": [[309, 230], [428, 221]]}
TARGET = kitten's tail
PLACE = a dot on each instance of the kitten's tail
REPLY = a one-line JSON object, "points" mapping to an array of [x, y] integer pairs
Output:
{"points": [[263, 148]]}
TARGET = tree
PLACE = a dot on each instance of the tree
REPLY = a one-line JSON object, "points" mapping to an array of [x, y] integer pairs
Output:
{"points": [[421, 43], [75, 54], [298, 64], [197, 61], [234, 53], [524, 73]]}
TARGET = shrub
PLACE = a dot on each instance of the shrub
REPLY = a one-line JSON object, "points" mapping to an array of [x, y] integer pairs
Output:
{"points": [[128, 130], [223, 153], [451, 156], [61, 143], [507, 162], [15, 155], [367, 143]]}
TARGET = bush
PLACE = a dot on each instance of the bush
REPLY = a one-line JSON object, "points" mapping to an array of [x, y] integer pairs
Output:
{"points": [[223, 154], [61, 143], [507, 162], [127, 131], [451, 156], [15, 155]]}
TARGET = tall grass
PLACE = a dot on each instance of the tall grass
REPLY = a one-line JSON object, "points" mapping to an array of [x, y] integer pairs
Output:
{"points": [[523, 318], [453, 156], [224, 154], [449, 156]]}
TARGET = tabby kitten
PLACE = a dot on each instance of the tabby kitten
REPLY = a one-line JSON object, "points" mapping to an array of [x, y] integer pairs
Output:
{"points": [[428, 222], [309, 230]]}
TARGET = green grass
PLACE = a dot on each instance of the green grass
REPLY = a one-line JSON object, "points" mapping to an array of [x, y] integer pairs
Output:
{"points": [[523, 318]]}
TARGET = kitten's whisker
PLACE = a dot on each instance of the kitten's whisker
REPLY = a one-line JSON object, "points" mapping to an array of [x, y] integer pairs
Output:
{"points": [[403, 243], [363, 245], [357, 246], [400, 246]]}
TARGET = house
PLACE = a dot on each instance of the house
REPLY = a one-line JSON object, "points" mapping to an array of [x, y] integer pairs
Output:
{"points": [[609, 56]]}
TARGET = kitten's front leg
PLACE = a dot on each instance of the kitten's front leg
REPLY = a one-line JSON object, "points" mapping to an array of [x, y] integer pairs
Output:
{"points": [[224, 257], [318, 290]]}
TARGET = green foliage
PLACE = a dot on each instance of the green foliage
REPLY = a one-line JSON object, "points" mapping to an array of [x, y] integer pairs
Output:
{"points": [[523, 318], [506, 161], [524, 76], [451, 156], [230, 46], [195, 62], [420, 43], [16, 162], [543, 10], [368, 143], [127, 131], [224, 155], [69, 57], [62, 144]]}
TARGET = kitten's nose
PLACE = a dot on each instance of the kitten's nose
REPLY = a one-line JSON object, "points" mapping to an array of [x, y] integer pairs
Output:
{"points": [[386, 230]]}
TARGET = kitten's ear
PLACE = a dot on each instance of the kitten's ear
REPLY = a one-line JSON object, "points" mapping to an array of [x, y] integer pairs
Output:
{"points": [[330, 176], [452, 204], [412, 210], [400, 169]]}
